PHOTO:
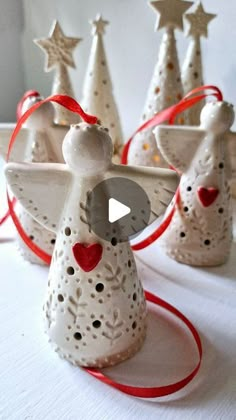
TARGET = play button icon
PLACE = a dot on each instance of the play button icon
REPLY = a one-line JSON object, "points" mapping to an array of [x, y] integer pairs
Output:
{"points": [[116, 210]]}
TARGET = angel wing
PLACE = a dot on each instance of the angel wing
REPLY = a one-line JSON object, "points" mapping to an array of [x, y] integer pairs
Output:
{"points": [[42, 190], [22, 147], [178, 145], [159, 184]]}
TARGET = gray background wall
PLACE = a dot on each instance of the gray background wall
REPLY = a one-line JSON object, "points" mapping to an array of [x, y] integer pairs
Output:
{"points": [[131, 45]]}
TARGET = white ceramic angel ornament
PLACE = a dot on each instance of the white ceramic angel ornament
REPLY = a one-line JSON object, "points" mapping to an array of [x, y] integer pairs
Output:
{"points": [[41, 141], [95, 306], [201, 230]]}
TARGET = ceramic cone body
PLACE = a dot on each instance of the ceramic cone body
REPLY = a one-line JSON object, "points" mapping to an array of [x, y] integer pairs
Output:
{"points": [[165, 90], [98, 96], [62, 85], [95, 318], [192, 77], [202, 235]]}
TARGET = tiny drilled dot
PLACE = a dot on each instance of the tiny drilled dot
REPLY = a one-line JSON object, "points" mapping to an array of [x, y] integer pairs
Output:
{"points": [[99, 287], [77, 336], [96, 323], [114, 241], [60, 298], [67, 231], [70, 271], [146, 146]]}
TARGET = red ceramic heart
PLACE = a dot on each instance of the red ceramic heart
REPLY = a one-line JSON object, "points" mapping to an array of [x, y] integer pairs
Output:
{"points": [[207, 196], [87, 256]]}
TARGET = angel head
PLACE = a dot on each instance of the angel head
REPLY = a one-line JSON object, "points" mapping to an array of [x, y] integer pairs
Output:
{"points": [[42, 117], [217, 117], [87, 149]]}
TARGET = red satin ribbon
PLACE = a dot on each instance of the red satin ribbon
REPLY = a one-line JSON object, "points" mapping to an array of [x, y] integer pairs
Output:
{"points": [[169, 115], [158, 391], [73, 106]]}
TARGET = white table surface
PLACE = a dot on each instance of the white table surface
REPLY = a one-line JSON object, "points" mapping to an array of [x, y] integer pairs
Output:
{"points": [[35, 384]]}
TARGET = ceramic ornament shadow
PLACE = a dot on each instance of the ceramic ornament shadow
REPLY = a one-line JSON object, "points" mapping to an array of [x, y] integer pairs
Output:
{"points": [[192, 72], [232, 154], [95, 307], [98, 98], [166, 86], [58, 49], [200, 232], [40, 140]]}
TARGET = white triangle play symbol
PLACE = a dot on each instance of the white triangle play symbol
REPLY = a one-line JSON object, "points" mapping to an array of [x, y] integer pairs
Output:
{"points": [[116, 210]]}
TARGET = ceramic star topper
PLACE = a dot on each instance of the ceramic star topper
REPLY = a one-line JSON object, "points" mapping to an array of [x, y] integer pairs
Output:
{"points": [[199, 21], [58, 49], [95, 308], [171, 12], [98, 25]]}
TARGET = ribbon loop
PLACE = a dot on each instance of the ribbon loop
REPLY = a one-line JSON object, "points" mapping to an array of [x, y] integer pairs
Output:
{"points": [[159, 391]]}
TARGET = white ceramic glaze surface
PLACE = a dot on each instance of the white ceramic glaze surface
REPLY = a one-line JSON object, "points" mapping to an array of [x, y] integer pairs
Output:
{"points": [[201, 230], [94, 317]]}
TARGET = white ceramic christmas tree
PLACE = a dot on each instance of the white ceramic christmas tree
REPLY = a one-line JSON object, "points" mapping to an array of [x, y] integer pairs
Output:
{"points": [[192, 73], [58, 49], [201, 230], [98, 98], [40, 140], [166, 86], [95, 307]]}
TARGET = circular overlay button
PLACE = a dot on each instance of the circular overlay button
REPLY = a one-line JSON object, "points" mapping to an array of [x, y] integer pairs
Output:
{"points": [[117, 210]]}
